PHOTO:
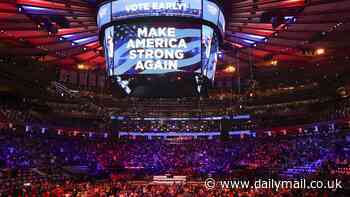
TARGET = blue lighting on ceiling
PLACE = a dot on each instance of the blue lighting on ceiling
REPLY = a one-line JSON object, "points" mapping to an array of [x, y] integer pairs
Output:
{"points": [[248, 41], [68, 36], [34, 8], [83, 40], [251, 37], [256, 37]]}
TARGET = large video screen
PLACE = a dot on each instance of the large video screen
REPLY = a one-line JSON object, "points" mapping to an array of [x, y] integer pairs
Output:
{"points": [[155, 48], [104, 14], [211, 12], [222, 23], [210, 49]]}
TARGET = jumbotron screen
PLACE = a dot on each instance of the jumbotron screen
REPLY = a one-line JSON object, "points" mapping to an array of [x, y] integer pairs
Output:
{"points": [[150, 40], [153, 48]]}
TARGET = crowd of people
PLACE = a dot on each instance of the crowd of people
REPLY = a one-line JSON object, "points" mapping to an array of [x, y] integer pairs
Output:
{"points": [[129, 189], [36, 165], [15, 115], [168, 126], [39, 158], [40, 164], [91, 116], [193, 157]]}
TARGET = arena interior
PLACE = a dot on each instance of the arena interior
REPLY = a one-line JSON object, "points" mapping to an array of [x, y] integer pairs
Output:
{"points": [[203, 98]]}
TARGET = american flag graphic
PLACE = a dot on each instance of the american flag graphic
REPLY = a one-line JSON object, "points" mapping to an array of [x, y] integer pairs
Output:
{"points": [[125, 66]]}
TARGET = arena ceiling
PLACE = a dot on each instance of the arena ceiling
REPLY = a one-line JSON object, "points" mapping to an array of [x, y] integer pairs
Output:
{"points": [[259, 32]]}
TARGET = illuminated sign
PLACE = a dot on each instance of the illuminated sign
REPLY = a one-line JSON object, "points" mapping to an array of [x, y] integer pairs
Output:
{"points": [[157, 48], [125, 9], [155, 6], [148, 46], [139, 8], [152, 49]]}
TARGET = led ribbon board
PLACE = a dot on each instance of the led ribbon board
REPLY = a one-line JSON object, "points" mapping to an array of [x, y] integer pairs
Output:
{"points": [[127, 9]]}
